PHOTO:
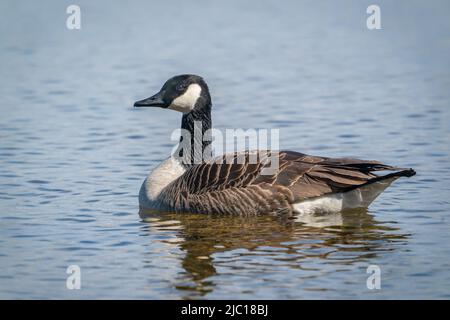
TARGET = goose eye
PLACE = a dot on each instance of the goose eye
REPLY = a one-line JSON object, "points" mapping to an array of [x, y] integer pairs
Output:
{"points": [[181, 87]]}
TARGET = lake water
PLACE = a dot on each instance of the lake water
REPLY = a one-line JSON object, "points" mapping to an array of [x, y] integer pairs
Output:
{"points": [[73, 151]]}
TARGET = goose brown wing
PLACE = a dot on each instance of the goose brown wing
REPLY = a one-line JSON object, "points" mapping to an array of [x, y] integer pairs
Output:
{"points": [[234, 183], [310, 176]]}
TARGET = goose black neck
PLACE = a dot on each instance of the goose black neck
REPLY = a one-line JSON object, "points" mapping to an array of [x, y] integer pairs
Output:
{"points": [[195, 140]]}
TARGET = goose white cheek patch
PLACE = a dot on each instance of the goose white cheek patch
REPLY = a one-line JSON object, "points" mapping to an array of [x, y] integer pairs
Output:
{"points": [[186, 102]]}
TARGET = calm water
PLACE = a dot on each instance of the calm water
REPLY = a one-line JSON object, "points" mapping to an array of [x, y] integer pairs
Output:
{"points": [[73, 152]]}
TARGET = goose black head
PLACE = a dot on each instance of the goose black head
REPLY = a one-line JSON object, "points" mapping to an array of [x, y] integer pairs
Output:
{"points": [[182, 93]]}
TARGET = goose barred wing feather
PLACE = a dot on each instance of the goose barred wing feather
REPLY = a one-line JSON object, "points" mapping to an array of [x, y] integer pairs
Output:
{"points": [[233, 183]]}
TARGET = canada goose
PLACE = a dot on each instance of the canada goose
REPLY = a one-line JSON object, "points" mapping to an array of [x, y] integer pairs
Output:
{"points": [[302, 184]]}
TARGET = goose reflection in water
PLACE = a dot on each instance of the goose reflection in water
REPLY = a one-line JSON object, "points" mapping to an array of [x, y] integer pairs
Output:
{"points": [[252, 246]]}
